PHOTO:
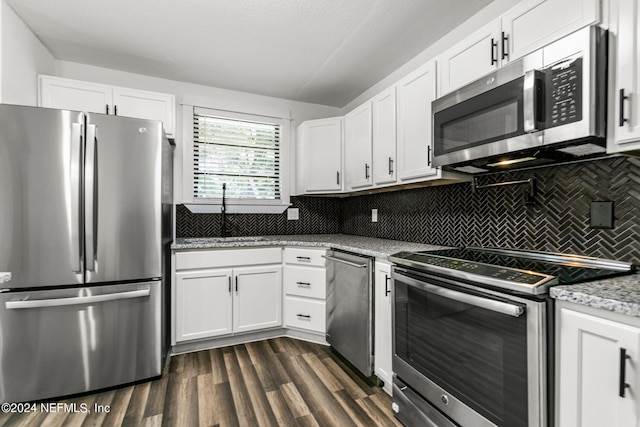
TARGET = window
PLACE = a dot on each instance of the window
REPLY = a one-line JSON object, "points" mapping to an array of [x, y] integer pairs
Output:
{"points": [[240, 151]]}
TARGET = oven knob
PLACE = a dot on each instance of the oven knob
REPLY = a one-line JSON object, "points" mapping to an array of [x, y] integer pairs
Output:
{"points": [[445, 399]]}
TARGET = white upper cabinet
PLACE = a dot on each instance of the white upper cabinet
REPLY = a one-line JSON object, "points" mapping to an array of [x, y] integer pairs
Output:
{"points": [[471, 58], [320, 155], [533, 24], [68, 94], [357, 147], [384, 137], [528, 26], [624, 72], [415, 94]]}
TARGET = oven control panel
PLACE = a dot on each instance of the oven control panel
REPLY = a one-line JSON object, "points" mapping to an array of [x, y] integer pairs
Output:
{"points": [[478, 269]]}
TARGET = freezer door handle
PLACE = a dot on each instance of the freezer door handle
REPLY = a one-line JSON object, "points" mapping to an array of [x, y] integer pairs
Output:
{"points": [[75, 187], [59, 302], [91, 190]]}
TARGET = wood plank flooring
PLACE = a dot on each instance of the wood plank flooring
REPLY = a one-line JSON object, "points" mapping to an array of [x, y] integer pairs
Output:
{"points": [[276, 382]]}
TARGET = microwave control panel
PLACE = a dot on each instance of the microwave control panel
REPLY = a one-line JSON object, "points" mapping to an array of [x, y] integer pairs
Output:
{"points": [[564, 93]]}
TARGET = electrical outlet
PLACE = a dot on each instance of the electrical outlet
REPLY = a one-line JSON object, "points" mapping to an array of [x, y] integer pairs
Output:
{"points": [[374, 215], [293, 214]]}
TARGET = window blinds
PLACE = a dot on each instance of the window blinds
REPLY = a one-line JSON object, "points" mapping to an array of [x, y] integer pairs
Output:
{"points": [[243, 154]]}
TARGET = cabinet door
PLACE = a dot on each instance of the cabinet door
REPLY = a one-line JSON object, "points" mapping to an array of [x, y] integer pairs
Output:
{"points": [[533, 24], [203, 304], [146, 105], [358, 146], [625, 100], [384, 137], [66, 94], [257, 298], [322, 141], [415, 94], [470, 59], [590, 371], [383, 342]]}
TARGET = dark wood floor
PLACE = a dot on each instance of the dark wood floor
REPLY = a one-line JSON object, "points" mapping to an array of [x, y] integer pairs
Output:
{"points": [[276, 382]]}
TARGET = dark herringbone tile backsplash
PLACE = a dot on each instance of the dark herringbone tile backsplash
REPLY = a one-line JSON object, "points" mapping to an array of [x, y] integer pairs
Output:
{"points": [[452, 215], [557, 221], [318, 215]]}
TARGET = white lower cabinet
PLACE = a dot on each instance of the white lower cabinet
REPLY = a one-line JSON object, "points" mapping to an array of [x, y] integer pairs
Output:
{"points": [[383, 348], [257, 302], [210, 301], [203, 304], [305, 287], [598, 375]]}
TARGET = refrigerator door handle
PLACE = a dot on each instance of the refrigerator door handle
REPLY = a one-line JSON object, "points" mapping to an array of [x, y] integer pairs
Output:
{"points": [[75, 189], [90, 208], [59, 302]]}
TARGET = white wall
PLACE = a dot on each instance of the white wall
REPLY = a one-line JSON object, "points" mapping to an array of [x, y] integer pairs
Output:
{"points": [[22, 58], [483, 17]]}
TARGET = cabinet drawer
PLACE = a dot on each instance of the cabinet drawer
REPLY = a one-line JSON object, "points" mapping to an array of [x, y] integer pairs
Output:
{"points": [[304, 313], [305, 281], [213, 258], [305, 256]]}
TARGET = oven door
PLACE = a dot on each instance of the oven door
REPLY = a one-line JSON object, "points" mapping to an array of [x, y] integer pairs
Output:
{"points": [[476, 355]]}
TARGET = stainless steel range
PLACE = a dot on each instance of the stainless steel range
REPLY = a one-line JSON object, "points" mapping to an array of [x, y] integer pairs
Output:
{"points": [[473, 334]]}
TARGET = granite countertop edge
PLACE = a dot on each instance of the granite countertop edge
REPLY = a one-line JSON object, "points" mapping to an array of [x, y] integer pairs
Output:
{"points": [[368, 246], [619, 294]]}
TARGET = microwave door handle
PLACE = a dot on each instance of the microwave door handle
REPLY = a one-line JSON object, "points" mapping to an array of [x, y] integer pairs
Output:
{"points": [[530, 99]]}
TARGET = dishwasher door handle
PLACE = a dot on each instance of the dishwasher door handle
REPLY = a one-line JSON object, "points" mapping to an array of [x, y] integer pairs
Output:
{"points": [[352, 264]]}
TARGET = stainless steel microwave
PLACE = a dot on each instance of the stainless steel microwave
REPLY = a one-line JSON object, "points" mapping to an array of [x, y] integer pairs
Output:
{"points": [[546, 107]]}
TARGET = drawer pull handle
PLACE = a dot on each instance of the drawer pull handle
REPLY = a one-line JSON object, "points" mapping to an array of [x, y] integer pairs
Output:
{"points": [[305, 316], [304, 258], [303, 283]]}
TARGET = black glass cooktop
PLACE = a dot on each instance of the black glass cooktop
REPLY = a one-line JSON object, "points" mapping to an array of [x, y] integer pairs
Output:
{"points": [[526, 271]]}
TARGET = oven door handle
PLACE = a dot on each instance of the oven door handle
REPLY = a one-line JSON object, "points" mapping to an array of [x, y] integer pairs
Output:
{"points": [[486, 303]]}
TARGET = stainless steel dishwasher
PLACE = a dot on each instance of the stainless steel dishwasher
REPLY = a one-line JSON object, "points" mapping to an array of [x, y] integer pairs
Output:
{"points": [[350, 308]]}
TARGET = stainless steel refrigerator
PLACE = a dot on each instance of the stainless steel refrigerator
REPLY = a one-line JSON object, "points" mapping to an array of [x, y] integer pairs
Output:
{"points": [[85, 225]]}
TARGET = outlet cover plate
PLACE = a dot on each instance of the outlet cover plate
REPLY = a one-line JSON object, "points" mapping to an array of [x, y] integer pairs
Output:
{"points": [[602, 214], [293, 214]]}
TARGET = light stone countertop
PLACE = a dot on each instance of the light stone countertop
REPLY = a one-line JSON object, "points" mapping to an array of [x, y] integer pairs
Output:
{"points": [[620, 295], [369, 246], [4, 277]]}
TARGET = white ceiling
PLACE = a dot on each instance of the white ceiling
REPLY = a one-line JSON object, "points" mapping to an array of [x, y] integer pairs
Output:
{"points": [[320, 51]]}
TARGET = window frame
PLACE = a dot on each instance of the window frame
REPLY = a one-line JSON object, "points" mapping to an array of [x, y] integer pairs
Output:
{"points": [[234, 205]]}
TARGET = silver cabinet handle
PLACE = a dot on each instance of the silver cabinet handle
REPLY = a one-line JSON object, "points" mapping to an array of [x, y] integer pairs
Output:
{"points": [[487, 303], [59, 302], [390, 166], [352, 264]]}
